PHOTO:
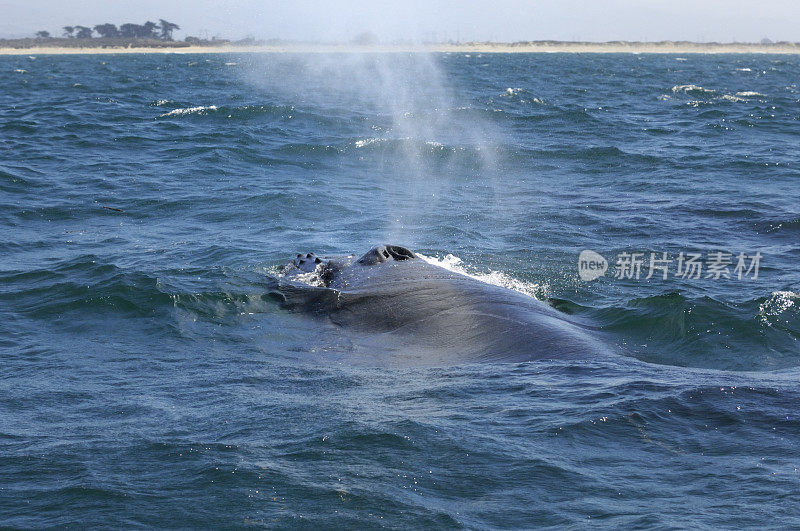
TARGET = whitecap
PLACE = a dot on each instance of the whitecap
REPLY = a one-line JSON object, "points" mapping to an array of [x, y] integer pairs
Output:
{"points": [[231, 64], [690, 88], [750, 94], [20, 71], [744, 69], [728, 97], [189, 110], [368, 141]]}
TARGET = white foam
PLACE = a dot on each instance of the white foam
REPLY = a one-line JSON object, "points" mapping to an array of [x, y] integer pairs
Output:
{"points": [[20, 71], [497, 278], [750, 93], [189, 110], [744, 70], [728, 97], [314, 278], [231, 64], [518, 92], [368, 142], [690, 88]]}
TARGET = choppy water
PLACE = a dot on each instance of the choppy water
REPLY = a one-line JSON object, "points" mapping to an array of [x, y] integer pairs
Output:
{"points": [[147, 380]]}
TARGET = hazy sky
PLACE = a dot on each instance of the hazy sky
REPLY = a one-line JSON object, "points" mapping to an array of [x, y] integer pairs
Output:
{"points": [[500, 20]]}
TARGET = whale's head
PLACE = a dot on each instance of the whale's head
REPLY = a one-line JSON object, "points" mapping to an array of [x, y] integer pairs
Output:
{"points": [[340, 271], [386, 253]]}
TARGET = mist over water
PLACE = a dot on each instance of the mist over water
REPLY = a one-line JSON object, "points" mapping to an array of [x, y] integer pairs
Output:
{"points": [[401, 109], [148, 379]]}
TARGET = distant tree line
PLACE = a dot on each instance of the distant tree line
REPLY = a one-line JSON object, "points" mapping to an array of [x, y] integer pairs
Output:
{"points": [[149, 30]]}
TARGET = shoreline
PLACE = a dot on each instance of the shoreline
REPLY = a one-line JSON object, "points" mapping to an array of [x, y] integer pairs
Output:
{"points": [[476, 47]]}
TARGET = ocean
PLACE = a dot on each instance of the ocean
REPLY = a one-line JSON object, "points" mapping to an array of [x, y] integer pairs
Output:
{"points": [[148, 380]]}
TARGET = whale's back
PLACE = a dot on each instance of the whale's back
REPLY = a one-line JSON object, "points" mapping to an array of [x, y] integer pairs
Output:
{"points": [[424, 311]]}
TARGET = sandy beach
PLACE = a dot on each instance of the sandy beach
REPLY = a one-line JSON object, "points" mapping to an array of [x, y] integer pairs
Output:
{"points": [[666, 47]]}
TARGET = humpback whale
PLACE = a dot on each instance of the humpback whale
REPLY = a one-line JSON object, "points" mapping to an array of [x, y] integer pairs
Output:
{"points": [[402, 309]]}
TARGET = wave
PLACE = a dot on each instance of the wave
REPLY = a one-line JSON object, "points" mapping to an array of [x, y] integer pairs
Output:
{"points": [[278, 113], [14, 182], [520, 95], [672, 329], [368, 141], [776, 304], [189, 110], [742, 96], [735, 99], [596, 154], [380, 144], [80, 284], [86, 285], [782, 226], [691, 89]]}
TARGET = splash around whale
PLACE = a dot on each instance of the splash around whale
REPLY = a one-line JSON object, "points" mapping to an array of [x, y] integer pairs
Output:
{"points": [[396, 308]]}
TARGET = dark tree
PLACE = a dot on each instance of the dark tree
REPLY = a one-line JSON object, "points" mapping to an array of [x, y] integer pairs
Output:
{"points": [[68, 31], [149, 30], [107, 30], [83, 32], [43, 34], [130, 31], [167, 28]]}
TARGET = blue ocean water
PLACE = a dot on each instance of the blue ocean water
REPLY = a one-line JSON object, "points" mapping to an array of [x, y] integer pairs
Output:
{"points": [[147, 379]]}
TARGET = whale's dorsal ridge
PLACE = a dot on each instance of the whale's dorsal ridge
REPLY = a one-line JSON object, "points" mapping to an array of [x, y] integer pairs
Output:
{"points": [[385, 253]]}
